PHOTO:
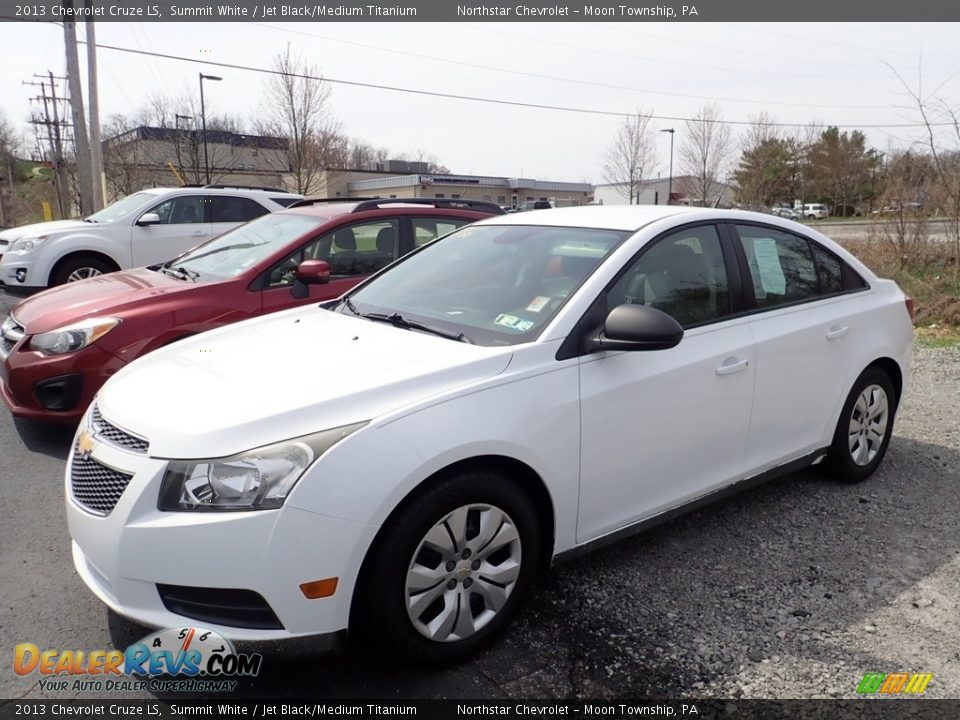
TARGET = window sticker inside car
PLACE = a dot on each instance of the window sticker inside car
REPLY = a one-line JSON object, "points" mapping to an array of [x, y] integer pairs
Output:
{"points": [[524, 325], [768, 263], [507, 320], [537, 304]]}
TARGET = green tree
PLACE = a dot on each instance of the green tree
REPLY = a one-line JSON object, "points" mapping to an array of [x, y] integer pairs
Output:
{"points": [[839, 166]]}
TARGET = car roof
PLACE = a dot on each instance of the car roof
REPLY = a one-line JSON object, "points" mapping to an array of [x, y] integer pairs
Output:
{"points": [[219, 191], [386, 207], [628, 217]]}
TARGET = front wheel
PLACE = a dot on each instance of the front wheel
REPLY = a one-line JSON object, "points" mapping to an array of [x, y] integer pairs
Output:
{"points": [[78, 268], [865, 426], [452, 568]]}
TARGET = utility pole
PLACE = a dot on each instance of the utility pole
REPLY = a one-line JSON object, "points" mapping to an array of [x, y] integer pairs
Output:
{"points": [[96, 149], [84, 174], [51, 121]]}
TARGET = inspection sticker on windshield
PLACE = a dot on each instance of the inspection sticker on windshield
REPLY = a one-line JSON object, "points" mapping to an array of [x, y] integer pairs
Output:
{"points": [[537, 304], [512, 321]]}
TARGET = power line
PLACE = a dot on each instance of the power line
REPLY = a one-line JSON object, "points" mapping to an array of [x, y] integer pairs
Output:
{"points": [[492, 101], [575, 81]]}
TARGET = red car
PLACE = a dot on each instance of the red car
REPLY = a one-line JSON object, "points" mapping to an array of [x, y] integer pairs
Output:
{"points": [[60, 346]]}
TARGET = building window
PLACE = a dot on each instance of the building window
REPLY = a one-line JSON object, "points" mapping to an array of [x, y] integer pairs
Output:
{"points": [[488, 198], [439, 195], [529, 198], [393, 196], [501, 199]]}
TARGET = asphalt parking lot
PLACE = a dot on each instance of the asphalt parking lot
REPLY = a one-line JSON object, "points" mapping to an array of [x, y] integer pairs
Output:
{"points": [[795, 589]]}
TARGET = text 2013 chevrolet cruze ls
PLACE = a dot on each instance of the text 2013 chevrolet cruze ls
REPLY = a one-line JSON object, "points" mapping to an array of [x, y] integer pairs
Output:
{"points": [[408, 460]]}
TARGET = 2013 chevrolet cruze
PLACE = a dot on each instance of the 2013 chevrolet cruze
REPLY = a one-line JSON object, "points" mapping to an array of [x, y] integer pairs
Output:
{"points": [[409, 458]]}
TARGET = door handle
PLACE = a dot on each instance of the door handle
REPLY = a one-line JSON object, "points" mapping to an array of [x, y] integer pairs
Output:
{"points": [[837, 331], [197, 233], [731, 365]]}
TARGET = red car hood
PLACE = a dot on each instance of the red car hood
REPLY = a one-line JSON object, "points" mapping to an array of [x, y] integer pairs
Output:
{"points": [[105, 295]]}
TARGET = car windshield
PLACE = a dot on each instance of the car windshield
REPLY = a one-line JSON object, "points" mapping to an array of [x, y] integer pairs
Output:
{"points": [[120, 208], [237, 250], [495, 284]]}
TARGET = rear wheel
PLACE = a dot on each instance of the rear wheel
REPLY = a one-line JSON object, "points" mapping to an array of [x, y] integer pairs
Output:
{"points": [[865, 426], [452, 568], [81, 267]]}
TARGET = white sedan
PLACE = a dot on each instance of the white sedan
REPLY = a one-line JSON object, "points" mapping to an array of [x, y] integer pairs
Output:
{"points": [[407, 460]]}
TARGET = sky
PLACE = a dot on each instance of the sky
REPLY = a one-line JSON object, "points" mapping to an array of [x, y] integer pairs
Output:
{"points": [[833, 73]]}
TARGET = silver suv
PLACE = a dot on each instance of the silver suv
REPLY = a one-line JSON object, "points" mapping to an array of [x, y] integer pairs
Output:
{"points": [[151, 226]]}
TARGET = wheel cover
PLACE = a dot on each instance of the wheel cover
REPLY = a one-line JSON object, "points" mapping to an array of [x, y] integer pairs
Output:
{"points": [[868, 424], [82, 274], [462, 572]]}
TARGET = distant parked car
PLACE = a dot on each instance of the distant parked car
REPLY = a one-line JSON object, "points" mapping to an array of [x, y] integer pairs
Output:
{"points": [[58, 347], [533, 205], [814, 211], [785, 212], [150, 226]]}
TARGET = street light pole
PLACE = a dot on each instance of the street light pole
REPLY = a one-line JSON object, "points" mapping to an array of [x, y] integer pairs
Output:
{"points": [[670, 181], [203, 118]]}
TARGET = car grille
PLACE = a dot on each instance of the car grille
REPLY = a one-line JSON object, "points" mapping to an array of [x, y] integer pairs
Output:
{"points": [[11, 332], [113, 435], [96, 486]]}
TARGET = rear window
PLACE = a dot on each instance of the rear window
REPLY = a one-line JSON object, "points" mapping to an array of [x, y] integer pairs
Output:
{"points": [[285, 200]]}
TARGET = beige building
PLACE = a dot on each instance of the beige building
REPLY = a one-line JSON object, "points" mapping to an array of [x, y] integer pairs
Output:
{"points": [[154, 156], [504, 191]]}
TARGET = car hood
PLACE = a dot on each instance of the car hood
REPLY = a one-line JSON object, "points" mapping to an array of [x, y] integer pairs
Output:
{"points": [[44, 228], [283, 376], [104, 295]]}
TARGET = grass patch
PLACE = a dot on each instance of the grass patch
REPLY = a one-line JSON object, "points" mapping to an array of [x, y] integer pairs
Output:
{"points": [[933, 283], [937, 336]]}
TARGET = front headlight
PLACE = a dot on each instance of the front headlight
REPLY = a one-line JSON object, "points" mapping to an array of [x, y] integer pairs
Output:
{"points": [[258, 479], [25, 245], [72, 337]]}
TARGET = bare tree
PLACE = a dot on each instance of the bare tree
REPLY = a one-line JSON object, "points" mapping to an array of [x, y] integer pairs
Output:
{"points": [[125, 163], [296, 108], [9, 144], [704, 155], [945, 152], [631, 155]]}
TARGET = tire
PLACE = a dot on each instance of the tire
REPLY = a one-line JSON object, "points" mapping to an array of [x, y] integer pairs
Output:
{"points": [[436, 557], [864, 428], [80, 267]]}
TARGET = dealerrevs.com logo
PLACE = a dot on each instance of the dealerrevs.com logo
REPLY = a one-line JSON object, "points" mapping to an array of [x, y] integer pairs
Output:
{"points": [[189, 659]]}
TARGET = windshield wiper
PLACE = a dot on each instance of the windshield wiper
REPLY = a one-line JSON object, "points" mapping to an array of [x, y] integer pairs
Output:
{"points": [[350, 306], [397, 320], [180, 272]]}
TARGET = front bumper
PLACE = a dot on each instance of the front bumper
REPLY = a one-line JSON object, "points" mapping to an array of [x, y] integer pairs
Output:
{"points": [[25, 377], [123, 556]]}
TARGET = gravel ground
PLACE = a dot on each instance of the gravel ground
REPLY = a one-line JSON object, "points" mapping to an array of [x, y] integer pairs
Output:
{"points": [[794, 590]]}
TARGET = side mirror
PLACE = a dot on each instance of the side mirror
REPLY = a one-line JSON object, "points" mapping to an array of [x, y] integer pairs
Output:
{"points": [[313, 272], [636, 327], [149, 219]]}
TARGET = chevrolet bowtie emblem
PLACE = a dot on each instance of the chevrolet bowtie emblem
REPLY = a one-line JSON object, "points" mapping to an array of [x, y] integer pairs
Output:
{"points": [[85, 445]]}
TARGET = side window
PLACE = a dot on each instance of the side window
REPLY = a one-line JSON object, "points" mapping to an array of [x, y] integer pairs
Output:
{"points": [[225, 209], [355, 250], [781, 266], [829, 270], [180, 210], [682, 274], [427, 229]]}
